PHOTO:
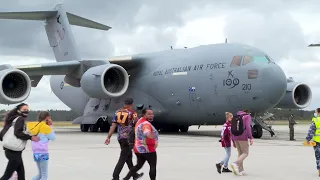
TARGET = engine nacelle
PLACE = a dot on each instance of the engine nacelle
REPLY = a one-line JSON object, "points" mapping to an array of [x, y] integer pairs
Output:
{"points": [[15, 86], [109, 80], [298, 96]]}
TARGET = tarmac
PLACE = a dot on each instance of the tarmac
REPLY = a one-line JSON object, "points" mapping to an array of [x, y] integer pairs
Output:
{"points": [[83, 156]]}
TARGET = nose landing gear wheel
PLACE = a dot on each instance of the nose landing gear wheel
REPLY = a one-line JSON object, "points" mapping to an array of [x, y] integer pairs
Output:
{"points": [[257, 131]]}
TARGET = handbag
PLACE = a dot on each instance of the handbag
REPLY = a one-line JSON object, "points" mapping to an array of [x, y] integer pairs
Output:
{"points": [[11, 142]]}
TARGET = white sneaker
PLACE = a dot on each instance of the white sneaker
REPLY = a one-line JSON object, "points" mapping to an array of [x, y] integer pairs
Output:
{"points": [[242, 173], [235, 168]]}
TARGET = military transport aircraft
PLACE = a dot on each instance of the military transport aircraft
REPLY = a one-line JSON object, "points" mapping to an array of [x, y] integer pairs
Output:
{"points": [[192, 86]]}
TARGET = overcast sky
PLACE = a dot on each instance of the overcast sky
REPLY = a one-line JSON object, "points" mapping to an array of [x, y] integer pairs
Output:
{"points": [[283, 29]]}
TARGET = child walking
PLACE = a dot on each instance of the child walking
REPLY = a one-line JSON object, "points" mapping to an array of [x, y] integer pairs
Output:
{"points": [[42, 129], [226, 138]]}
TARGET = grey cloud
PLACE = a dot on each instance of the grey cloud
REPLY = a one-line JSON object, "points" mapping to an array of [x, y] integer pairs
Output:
{"points": [[29, 39], [277, 33]]}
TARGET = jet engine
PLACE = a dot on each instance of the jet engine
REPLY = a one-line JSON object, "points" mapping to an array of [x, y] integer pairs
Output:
{"points": [[109, 80], [15, 86], [298, 96]]}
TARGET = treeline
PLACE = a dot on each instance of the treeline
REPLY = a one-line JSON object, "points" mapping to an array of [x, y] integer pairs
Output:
{"points": [[283, 114], [63, 115], [56, 115]]}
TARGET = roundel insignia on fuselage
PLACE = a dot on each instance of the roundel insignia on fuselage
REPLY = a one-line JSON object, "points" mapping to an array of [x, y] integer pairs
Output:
{"points": [[61, 85]]}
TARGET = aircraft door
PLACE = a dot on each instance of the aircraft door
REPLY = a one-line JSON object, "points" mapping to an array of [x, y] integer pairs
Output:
{"points": [[194, 108]]}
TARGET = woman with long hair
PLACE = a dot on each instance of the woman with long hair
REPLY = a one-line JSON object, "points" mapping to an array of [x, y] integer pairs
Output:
{"points": [[15, 163]]}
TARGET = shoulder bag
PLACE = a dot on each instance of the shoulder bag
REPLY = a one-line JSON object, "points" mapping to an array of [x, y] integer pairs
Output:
{"points": [[11, 142]]}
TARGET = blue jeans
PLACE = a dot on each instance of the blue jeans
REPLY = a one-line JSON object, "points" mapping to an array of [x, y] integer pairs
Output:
{"points": [[43, 170], [227, 157]]}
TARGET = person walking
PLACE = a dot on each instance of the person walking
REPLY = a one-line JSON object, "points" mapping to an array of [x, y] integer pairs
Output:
{"points": [[124, 119], [292, 122], [145, 145], [314, 134], [225, 140], [241, 131], [42, 129], [16, 118]]}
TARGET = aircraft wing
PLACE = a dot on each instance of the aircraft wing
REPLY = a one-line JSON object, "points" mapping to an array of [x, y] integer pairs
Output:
{"points": [[56, 68], [127, 62], [37, 71]]}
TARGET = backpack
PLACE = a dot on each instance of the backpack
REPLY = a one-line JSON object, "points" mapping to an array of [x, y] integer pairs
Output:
{"points": [[237, 125]]}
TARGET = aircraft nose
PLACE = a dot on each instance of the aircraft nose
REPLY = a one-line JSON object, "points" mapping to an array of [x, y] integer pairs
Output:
{"points": [[274, 83]]}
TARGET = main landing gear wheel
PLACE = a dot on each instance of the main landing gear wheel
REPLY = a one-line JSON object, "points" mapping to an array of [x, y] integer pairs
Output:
{"points": [[104, 126], [93, 128], [84, 127], [170, 129], [184, 129], [257, 131], [101, 124]]}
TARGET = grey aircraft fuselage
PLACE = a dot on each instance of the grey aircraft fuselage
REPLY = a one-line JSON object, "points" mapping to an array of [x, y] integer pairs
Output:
{"points": [[191, 86]]}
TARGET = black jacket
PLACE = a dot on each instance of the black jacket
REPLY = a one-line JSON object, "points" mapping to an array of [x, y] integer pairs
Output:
{"points": [[19, 127]]}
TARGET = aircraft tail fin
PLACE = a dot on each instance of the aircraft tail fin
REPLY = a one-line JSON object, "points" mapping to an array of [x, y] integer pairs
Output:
{"points": [[58, 29]]}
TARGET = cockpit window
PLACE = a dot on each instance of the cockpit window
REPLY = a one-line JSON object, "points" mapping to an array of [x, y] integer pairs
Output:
{"points": [[247, 59], [261, 59], [236, 61]]}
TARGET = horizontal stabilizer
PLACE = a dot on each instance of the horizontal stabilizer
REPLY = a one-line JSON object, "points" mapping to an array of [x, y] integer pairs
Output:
{"points": [[32, 15], [80, 21], [45, 15]]}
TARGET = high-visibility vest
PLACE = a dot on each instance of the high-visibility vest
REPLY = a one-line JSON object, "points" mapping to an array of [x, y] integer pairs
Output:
{"points": [[316, 136]]}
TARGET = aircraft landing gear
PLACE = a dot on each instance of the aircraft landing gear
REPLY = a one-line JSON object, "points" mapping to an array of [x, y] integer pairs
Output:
{"points": [[84, 127], [259, 124], [184, 128], [170, 128], [105, 127], [257, 131], [94, 128], [101, 124]]}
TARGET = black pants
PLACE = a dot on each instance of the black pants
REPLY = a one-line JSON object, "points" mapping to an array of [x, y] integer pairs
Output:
{"points": [[15, 164], [291, 130], [125, 157], [151, 158]]}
